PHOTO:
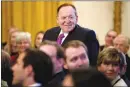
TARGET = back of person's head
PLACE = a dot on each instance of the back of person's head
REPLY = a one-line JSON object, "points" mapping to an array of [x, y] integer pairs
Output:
{"points": [[60, 50], [41, 63], [6, 73], [88, 78], [5, 61]]}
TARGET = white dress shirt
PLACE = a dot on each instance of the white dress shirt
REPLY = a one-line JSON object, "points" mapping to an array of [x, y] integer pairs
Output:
{"points": [[119, 83], [35, 85]]}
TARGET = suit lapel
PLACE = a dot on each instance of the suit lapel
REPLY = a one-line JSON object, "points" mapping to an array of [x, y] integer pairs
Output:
{"points": [[56, 34], [70, 36]]}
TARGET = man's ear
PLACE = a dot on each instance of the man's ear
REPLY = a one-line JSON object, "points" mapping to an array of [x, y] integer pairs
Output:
{"points": [[128, 47], [76, 19], [65, 65], [61, 61], [98, 67], [29, 70]]}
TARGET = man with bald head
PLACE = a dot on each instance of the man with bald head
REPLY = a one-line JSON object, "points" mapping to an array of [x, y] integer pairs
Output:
{"points": [[110, 36]]}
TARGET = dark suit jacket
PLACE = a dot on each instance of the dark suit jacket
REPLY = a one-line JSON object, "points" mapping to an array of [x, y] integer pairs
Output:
{"points": [[56, 80], [87, 36], [102, 47], [128, 67]]}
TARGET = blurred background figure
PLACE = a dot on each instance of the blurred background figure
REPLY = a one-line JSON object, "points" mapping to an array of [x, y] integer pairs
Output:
{"points": [[6, 72], [23, 42], [38, 39], [10, 45], [110, 36], [33, 69], [86, 78], [121, 43], [56, 54], [13, 47], [110, 64]]}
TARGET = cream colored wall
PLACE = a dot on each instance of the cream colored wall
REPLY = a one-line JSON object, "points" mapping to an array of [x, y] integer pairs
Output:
{"points": [[96, 15], [126, 19]]}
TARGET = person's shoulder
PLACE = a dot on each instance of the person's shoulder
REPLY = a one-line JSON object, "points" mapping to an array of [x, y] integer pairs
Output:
{"points": [[54, 28], [83, 28], [85, 31], [121, 83], [127, 57]]}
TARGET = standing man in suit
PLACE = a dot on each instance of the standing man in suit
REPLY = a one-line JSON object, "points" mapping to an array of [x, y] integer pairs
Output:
{"points": [[68, 30]]}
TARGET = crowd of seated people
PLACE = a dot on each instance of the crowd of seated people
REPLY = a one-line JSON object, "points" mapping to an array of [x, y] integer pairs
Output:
{"points": [[69, 65], [61, 60]]}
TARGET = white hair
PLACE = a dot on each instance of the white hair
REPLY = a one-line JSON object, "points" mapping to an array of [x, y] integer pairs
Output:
{"points": [[23, 35], [124, 38]]}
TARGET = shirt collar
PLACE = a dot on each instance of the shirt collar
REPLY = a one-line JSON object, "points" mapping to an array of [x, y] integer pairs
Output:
{"points": [[113, 81], [35, 84], [65, 34]]}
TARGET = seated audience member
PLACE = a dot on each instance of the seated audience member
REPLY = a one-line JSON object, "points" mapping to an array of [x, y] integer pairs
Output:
{"points": [[4, 46], [76, 55], [32, 69], [56, 54], [86, 78], [111, 34], [12, 44], [6, 72], [110, 63], [38, 39], [23, 42], [123, 69], [121, 42]]}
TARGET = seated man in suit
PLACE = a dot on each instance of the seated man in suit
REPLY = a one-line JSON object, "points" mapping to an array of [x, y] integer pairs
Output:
{"points": [[76, 56], [68, 30], [110, 36], [56, 54], [33, 68], [121, 42]]}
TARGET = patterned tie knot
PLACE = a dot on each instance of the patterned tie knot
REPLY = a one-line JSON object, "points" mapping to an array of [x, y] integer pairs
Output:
{"points": [[59, 39], [61, 36]]}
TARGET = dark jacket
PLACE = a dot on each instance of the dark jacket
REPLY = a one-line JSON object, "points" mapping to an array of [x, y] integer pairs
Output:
{"points": [[87, 36]]}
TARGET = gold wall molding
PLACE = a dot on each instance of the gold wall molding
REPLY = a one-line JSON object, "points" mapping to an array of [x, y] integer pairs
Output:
{"points": [[117, 16]]}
